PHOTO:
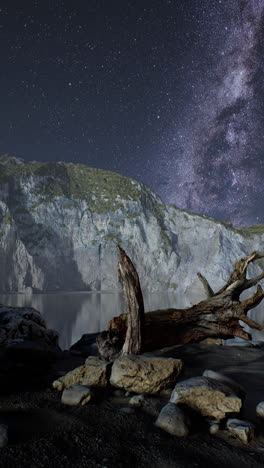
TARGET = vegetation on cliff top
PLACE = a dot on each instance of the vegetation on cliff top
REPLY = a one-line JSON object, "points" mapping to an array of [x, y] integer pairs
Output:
{"points": [[103, 190]]}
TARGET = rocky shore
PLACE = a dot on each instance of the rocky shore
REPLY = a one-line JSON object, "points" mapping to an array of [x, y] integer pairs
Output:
{"points": [[181, 406]]}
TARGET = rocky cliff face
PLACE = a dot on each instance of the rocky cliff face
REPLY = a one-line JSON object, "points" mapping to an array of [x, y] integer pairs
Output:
{"points": [[60, 223]]}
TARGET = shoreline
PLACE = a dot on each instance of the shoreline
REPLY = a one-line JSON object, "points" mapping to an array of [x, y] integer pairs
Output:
{"points": [[107, 433]]}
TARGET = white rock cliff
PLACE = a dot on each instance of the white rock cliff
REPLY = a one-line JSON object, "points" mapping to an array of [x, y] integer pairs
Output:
{"points": [[60, 223]]}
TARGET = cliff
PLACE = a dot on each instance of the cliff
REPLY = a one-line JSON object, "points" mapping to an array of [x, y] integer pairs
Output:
{"points": [[60, 223]]}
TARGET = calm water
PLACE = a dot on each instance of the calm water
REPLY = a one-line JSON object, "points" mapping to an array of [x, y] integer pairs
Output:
{"points": [[73, 314]]}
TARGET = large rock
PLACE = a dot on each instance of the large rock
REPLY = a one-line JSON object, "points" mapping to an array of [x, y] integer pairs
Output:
{"points": [[27, 348], [145, 374], [236, 387], [76, 395], [69, 217], [173, 420], [94, 373], [242, 430], [209, 397], [86, 345], [23, 329]]}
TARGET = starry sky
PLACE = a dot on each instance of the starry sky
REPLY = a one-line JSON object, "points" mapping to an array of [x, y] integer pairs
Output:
{"points": [[170, 92]]}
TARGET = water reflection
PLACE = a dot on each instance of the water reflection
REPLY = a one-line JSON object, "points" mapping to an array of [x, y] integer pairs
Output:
{"points": [[73, 314]]}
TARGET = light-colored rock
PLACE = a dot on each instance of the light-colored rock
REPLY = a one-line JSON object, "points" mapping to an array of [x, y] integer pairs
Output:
{"points": [[137, 400], [76, 395], [3, 435], [213, 428], [236, 387], [209, 397], [260, 409], [144, 374], [242, 430], [94, 373], [173, 420], [212, 341]]}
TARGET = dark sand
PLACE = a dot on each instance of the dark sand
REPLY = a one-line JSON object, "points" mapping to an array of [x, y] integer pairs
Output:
{"points": [[45, 433]]}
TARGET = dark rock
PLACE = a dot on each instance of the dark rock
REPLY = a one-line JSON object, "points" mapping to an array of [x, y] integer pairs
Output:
{"points": [[27, 347], [86, 345]]}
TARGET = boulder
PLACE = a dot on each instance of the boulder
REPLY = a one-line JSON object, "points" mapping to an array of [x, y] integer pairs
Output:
{"points": [[86, 345], [24, 333], [242, 430], [145, 374], [236, 387], [173, 420], [209, 397], [260, 409], [76, 395], [3, 435], [27, 348], [94, 373]]}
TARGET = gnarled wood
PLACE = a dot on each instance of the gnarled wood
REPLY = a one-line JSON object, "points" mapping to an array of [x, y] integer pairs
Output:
{"points": [[134, 303], [218, 316]]}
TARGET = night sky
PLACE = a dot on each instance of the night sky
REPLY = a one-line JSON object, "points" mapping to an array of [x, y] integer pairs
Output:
{"points": [[170, 92]]}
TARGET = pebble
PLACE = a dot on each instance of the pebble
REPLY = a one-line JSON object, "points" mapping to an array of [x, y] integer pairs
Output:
{"points": [[136, 400], [173, 420], [242, 430], [260, 410], [76, 395]]}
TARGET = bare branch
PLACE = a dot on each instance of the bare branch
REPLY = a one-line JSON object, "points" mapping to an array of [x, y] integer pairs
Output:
{"points": [[206, 285], [253, 301], [240, 333], [250, 323], [237, 280], [253, 281]]}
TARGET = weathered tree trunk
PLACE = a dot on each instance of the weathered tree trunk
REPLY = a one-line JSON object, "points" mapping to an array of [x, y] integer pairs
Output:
{"points": [[218, 316], [134, 303]]}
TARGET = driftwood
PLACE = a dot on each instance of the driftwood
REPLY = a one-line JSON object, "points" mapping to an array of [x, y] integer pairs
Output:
{"points": [[134, 303], [217, 316]]}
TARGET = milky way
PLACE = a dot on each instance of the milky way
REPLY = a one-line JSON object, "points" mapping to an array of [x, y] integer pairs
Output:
{"points": [[221, 167], [169, 92]]}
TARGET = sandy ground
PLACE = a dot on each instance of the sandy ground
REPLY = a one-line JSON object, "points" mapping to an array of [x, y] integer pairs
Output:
{"points": [[105, 433]]}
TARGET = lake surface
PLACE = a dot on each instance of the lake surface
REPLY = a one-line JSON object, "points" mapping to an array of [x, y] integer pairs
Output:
{"points": [[73, 314]]}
